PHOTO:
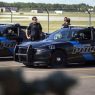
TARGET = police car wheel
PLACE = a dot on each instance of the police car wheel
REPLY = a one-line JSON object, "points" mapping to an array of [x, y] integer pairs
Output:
{"points": [[58, 59]]}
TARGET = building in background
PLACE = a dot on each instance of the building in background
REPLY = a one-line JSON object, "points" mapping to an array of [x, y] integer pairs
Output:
{"points": [[58, 11], [2, 9], [8, 9], [34, 11]]}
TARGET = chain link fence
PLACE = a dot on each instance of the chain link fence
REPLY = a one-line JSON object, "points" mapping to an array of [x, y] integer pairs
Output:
{"points": [[51, 20]]}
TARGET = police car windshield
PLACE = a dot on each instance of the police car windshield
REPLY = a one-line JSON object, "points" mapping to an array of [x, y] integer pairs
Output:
{"points": [[59, 34]]}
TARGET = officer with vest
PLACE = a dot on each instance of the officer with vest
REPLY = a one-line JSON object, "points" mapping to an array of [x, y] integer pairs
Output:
{"points": [[34, 30]]}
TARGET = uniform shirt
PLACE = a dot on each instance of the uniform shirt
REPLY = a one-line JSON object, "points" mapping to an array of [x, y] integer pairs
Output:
{"points": [[65, 25], [34, 30]]}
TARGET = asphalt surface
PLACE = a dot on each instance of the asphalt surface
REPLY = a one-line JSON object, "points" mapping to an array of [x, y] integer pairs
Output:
{"points": [[85, 74]]}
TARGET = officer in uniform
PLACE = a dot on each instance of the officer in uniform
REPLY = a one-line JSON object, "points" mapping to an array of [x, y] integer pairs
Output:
{"points": [[34, 30], [66, 22]]}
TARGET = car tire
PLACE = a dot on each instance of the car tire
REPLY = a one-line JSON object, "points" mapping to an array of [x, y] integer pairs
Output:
{"points": [[58, 59], [28, 64]]}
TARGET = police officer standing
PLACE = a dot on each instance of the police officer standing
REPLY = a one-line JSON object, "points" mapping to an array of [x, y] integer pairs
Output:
{"points": [[34, 30], [66, 22]]}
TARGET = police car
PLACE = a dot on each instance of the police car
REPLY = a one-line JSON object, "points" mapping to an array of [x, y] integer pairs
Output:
{"points": [[64, 46], [9, 37]]}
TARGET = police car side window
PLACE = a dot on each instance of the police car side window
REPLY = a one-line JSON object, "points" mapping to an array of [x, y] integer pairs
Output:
{"points": [[82, 35], [87, 34], [75, 35]]}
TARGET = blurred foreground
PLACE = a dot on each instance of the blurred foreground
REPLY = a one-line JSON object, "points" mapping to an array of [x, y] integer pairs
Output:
{"points": [[13, 83]]}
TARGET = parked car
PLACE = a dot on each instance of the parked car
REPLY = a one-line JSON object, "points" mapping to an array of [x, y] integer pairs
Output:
{"points": [[64, 46], [10, 35]]}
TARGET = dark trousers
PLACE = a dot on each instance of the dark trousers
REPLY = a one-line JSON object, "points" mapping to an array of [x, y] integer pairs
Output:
{"points": [[35, 38]]}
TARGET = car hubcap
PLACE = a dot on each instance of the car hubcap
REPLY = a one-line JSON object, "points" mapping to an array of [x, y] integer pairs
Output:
{"points": [[58, 59]]}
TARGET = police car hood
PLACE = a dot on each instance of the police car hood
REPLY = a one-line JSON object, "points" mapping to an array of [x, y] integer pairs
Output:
{"points": [[38, 44]]}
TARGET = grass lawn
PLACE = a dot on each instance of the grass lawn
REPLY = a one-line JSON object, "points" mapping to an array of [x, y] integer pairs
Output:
{"points": [[77, 14], [54, 25]]}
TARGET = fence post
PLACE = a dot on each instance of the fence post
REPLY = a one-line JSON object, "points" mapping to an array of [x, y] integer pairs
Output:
{"points": [[11, 14], [48, 18], [89, 18]]}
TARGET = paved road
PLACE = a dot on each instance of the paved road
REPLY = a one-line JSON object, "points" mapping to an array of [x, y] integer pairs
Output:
{"points": [[84, 74]]}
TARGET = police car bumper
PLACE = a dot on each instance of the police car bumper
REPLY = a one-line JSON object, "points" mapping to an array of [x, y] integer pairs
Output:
{"points": [[32, 56]]}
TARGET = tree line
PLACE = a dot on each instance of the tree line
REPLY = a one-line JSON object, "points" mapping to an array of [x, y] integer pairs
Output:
{"points": [[65, 7]]}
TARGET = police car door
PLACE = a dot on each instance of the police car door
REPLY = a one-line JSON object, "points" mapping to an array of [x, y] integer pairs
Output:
{"points": [[84, 49]]}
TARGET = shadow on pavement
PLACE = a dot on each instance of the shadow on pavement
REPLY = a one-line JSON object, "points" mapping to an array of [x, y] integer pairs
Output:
{"points": [[71, 66], [6, 59]]}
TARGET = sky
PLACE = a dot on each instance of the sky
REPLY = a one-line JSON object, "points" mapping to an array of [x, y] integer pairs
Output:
{"points": [[89, 2]]}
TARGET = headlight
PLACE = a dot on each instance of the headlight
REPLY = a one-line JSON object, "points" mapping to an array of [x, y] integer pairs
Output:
{"points": [[41, 50]]}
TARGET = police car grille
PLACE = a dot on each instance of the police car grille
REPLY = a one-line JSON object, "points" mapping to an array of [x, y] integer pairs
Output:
{"points": [[22, 50], [23, 54]]}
